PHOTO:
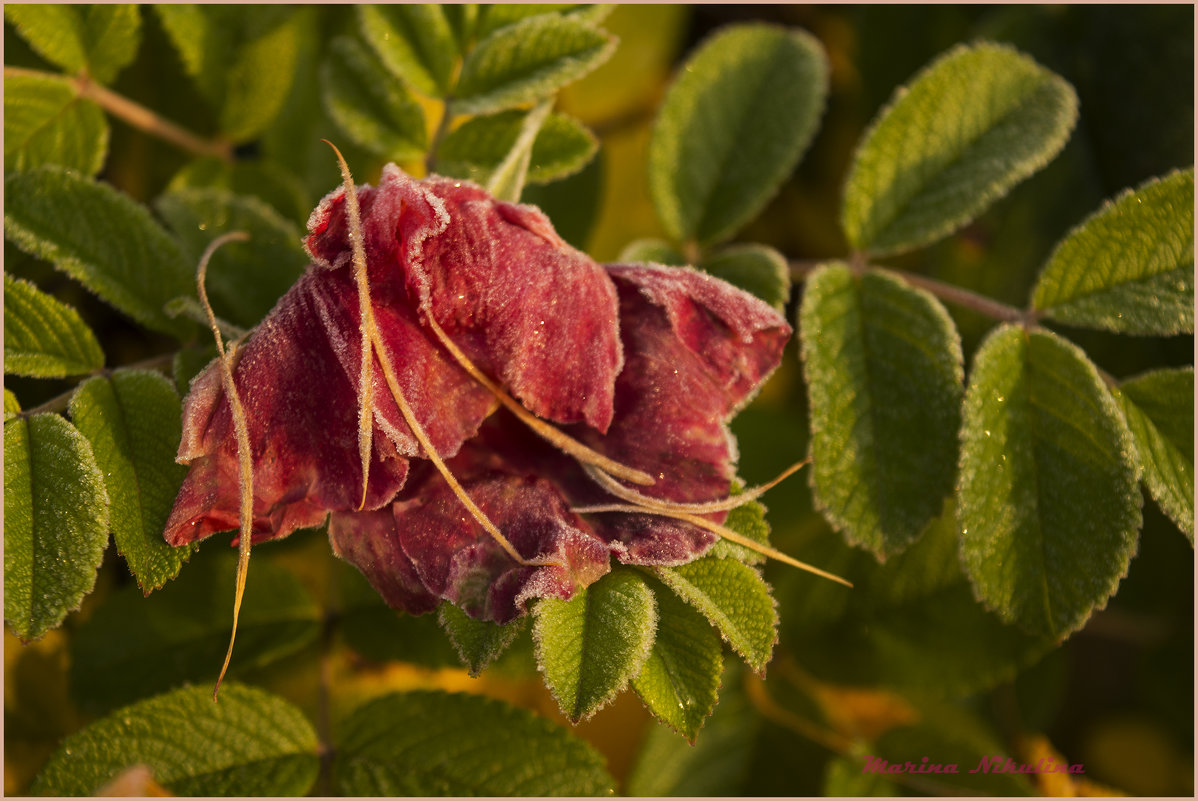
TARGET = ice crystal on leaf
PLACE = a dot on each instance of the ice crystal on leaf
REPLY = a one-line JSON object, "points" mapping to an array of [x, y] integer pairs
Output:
{"points": [[490, 324]]}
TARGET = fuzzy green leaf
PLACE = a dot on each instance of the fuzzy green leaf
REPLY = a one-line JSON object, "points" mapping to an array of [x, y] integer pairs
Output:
{"points": [[478, 642], [737, 601], [442, 744], [133, 421], [1048, 494], [368, 105], [506, 182], [101, 238], [652, 251], [528, 61], [250, 743], [414, 41], [732, 128], [758, 269], [1159, 408], [245, 279], [680, 680], [44, 337], [749, 520], [494, 16], [970, 126], [562, 147], [884, 370], [266, 180], [55, 522], [590, 646], [46, 122], [12, 406], [242, 58], [99, 39], [134, 646], [715, 764], [1130, 266]]}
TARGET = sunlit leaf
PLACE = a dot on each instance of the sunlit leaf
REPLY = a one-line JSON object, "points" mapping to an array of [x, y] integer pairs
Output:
{"points": [[732, 127], [55, 522], [44, 337], [46, 122], [11, 405], [242, 57], [1048, 493], [250, 743], [1159, 408], [1130, 266], [438, 744], [528, 61], [734, 597], [133, 421], [101, 238], [478, 642], [680, 679], [956, 138], [884, 371], [374, 110], [562, 147], [654, 251], [99, 39], [590, 646], [415, 42]]}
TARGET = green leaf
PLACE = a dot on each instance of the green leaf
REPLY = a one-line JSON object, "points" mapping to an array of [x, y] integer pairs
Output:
{"points": [[680, 680], [494, 16], [265, 180], [747, 519], [55, 522], [101, 238], [1130, 266], [715, 764], [46, 122], [758, 269], [732, 128], [461, 18], [245, 279], [884, 372], [249, 743], [528, 61], [652, 251], [133, 421], [242, 58], [737, 601], [970, 126], [475, 149], [133, 646], [414, 41], [1048, 493], [12, 406], [43, 337], [368, 105], [506, 182], [442, 744], [99, 39], [478, 642], [590, 646], [1159, 408]]}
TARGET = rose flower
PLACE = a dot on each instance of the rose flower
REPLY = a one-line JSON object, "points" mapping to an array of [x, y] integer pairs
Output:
{"points": [[529, 413]]}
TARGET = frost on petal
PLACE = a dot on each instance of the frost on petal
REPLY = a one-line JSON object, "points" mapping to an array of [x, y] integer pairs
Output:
{"points": [[297, 378], [529, 310], [432, 548], [696, 349]]}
